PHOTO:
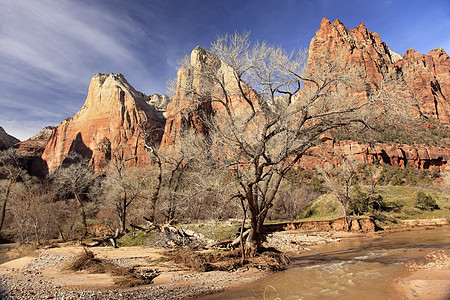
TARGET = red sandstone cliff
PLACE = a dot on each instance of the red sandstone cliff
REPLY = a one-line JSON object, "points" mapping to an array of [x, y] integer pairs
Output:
{"points": [[114, 112], [396, 155], [188, 112], [422, 80], [32, 149], [110, 123]]}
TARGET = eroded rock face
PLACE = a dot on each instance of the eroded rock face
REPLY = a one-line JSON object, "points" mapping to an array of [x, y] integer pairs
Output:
{"points": [[6, 140], [36, 144], [158, 102], [428, 80], [114, 122], [186, 111], [182, 111], [422, 79], [32, 150], [356, 51], [396, 155]]}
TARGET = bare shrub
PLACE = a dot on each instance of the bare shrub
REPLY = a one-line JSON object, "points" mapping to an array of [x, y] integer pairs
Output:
{"points": [[200, 262], [291, 203], [84, 261], [124, 277], [73, 181], [32, 213]]}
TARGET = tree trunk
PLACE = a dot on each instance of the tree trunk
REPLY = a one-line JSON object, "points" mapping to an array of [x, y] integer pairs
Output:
{"points": [[3, 214], [151, 211], [253, 241], [241, 240], [83, 214], [83, 219], [347, 225], [154, 197], [124, 215]]}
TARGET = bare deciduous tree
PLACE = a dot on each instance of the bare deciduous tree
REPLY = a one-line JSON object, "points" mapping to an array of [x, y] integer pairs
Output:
{"points": [[340, 180], [31, 208], [74, 180], [122, 186], [12, 170], [262, 112]]}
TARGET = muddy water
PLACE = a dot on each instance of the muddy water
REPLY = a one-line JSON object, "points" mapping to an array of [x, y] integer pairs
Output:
{"points": [[352, 269]]}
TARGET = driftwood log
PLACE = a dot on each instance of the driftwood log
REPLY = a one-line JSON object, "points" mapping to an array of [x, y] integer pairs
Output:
{"points": [[112, 239], [171, 236]]}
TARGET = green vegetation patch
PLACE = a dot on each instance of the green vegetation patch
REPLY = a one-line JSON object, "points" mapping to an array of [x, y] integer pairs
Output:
{"points": [[326, 207], [402, 201], [138, 239], [408, 197]]}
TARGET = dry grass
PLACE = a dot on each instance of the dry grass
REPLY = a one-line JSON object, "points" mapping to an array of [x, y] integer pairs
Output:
{"points": [[124, 277], [227, 260], [193, 260]]}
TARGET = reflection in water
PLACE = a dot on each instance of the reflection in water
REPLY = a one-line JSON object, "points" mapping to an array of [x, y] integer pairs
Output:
{"points": [[352, 269]]}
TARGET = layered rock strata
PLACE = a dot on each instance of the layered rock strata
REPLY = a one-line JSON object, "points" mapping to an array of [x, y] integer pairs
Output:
{"points": [[31, 150], [421, 81], [396, 155], [114, 123]]}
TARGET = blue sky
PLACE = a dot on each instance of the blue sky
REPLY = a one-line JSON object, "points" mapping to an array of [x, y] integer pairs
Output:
{"points": [[50, 49]]}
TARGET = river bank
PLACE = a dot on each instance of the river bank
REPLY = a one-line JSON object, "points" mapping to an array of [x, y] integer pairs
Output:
{"points": [[42, 277], [429, 280]]}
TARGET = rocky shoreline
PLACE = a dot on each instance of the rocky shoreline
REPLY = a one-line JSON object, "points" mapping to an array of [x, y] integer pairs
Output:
{"points": [[38, 279], [42, 277]]}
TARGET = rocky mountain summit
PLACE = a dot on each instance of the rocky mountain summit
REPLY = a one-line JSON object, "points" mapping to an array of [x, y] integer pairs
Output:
{"points": [[116, 120], [37, 143], [183, 112], [32, 149], [423, 80], [159, 103]]}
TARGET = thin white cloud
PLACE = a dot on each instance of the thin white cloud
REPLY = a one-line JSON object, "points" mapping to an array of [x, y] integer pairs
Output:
{"points": [[51, 48], [63, 39]]}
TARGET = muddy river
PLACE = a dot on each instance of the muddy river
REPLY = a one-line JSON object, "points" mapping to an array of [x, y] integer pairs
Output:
{"points": [[362, 268]]}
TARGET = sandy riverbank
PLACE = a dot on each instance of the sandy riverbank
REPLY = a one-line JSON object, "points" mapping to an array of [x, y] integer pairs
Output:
{"points": [[42, 277], [427, 281]]}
